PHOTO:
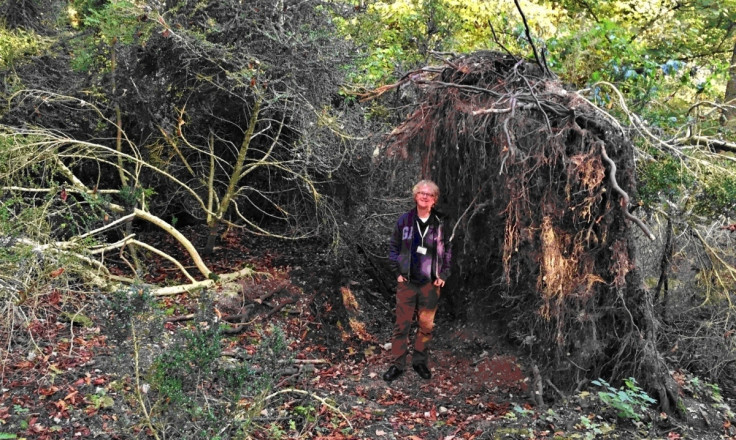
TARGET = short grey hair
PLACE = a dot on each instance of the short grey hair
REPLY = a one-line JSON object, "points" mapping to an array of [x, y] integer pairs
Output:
{"points": [[426, 182]]}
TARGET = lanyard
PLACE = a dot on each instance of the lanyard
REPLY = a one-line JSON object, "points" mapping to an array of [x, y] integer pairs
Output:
{"points": [[419, 229]]}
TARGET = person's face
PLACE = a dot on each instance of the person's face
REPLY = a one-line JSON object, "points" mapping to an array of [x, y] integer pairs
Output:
{"points": [[424, 198]]}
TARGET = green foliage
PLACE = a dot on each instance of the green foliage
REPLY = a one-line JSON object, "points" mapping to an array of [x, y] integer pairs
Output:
{"points": [[127, 302], [194, 362], [17, 45], [700, 388], [718, 195], [7, 214], [608, 51], [664, 178], [709, 191], [308, 412], [630, 401], [177, 371], [715, 392], [100, 400], [134, 196], [396, 36], [592, 429], [115, 22]]}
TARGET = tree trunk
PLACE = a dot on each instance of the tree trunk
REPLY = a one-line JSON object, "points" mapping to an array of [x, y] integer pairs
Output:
{"points": [[211, 240], [730, 97], [233, 183]]}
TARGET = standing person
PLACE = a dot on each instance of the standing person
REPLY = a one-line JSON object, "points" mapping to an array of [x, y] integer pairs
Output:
{"points": [[420, 257]]}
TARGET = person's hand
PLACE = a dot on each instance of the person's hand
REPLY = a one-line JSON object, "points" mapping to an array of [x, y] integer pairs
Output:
{"points": [[401, 279], [439, 282]]}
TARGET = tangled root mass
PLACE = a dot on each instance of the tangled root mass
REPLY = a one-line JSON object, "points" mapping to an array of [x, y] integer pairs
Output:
{"points": [[537, 180]]}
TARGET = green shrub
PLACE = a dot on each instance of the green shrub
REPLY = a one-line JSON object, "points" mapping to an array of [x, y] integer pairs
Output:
{"points": [[629, 401], [178, 370], [664, 178], [19, 44]]}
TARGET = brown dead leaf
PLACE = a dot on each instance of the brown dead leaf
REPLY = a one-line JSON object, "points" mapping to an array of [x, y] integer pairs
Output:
{"points": [[24, 364], [72, 397], [48, 391], [61, 405]]}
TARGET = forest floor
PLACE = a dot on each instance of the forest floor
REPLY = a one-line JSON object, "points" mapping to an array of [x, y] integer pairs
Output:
{"points": [[85, 365]]}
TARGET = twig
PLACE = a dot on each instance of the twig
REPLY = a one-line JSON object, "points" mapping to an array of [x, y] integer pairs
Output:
{"points": [[614, 183], [175, 290], [461, 86], [557, 390], [544, 67], [265, 296], [472, 202], [71, 329], [486, 111], [538, 391], [129, 240], [541, 109], [304, 361], [280, 306], [181, 318], [495, 38], [716, 144], [239, 317], [290, 374], [126, 261], [730, 270], [480, 358], [138, 394], [238, 327]]}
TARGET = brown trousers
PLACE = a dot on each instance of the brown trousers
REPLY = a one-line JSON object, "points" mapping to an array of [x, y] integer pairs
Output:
{"points": [[423, 299]]}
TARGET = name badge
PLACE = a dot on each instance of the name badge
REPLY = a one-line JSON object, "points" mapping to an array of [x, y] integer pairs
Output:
{"points": [[421, 250]]}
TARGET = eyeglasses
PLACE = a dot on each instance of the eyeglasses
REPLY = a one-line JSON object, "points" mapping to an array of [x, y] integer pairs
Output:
{"points": [[425, 194]]}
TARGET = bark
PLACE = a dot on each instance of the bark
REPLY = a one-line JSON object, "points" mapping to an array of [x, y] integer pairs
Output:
{"points": [[730, 96], [234, 182]]}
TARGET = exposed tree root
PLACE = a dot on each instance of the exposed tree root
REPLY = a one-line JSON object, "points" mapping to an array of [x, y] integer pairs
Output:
{"points": [[539, 182]]}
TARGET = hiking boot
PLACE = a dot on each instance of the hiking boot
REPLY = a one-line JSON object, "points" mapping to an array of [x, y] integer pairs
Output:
{"points": [[422, 371], [392, 373]]}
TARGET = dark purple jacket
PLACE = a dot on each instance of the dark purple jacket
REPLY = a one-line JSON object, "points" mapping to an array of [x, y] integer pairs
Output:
{"points": [[400, 246]]}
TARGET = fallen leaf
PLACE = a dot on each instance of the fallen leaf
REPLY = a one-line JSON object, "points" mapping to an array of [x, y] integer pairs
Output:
{"points": [[60, 405], [72, 397], [48, 391]]}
